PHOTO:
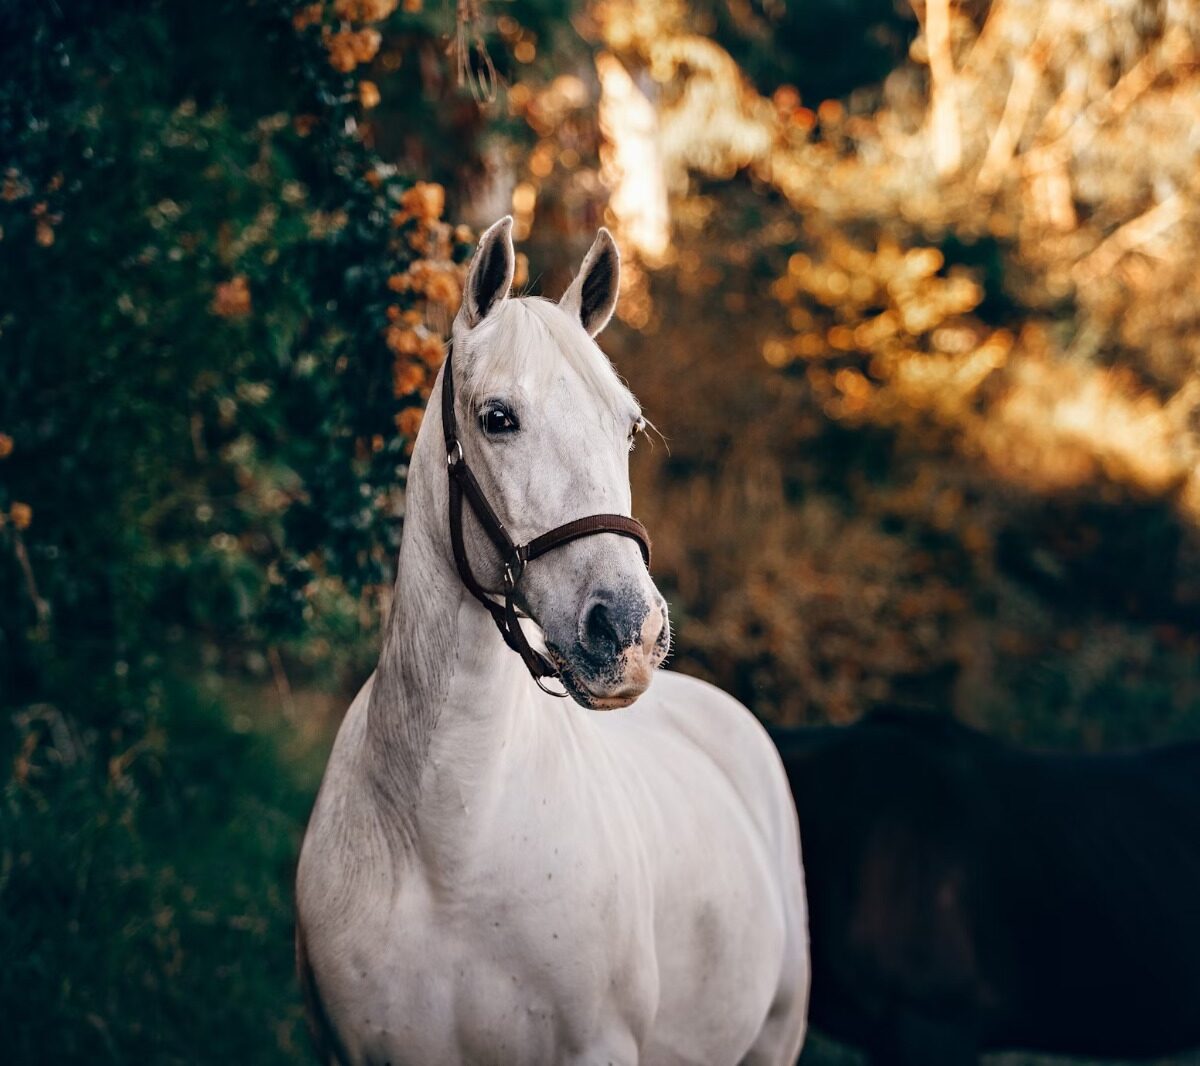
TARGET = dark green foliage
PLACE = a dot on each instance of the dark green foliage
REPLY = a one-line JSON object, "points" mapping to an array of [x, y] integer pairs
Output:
{"points": [[147, 912], [194, 260], [204, 456]]}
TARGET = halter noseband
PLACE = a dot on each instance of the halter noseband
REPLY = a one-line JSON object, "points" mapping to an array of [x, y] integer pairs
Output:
{"points": [[514, 556]]}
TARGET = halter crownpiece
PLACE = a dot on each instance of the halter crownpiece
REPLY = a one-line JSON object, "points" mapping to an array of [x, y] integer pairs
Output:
{"points": [[515, 557]]}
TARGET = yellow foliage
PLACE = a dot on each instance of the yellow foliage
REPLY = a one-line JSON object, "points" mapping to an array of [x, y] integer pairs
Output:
{"points": [[1060, 136]]}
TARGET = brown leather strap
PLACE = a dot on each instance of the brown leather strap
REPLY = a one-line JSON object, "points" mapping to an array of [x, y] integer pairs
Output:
{"points": [[513, 556], [449, 422], [505, 616], [586, 527]]}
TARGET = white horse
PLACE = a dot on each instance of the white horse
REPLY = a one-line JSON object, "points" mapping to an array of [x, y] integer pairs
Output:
{"points": [[491, 875]]}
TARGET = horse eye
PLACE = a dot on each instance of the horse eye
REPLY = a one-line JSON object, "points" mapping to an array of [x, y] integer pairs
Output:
{"points": [[497, 420]]}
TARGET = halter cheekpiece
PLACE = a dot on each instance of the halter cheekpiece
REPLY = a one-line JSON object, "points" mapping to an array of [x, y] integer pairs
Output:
{"points": [[515, 556]]}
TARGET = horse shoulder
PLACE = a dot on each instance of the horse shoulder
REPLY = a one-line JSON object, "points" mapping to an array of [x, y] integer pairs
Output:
{"points": [[723, 789], [736, 812]]}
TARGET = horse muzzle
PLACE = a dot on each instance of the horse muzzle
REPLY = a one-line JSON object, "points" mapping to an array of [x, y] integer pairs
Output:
{"points": [[620, 640]]}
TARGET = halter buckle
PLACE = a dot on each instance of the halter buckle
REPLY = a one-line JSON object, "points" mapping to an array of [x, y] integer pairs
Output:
{"points": [[455, 455], [513, 569]]}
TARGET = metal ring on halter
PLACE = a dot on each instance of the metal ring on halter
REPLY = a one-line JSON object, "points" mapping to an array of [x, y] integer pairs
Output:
{"points": [[453, 458], [549, 691]]}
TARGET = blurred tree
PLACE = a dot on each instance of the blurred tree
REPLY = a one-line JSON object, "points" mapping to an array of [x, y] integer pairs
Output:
{"points": [[965, 259], [979, 243]]}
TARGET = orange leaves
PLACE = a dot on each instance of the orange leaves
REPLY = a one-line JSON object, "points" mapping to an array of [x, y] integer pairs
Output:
{"points": [[348, 48], [15, 186], [402, 340], [364, 10], [425, 201], [308, 15], [880, 307], [360, 11], [421, 208], [408, 375], [368, 95], [232, 298], [409, 420], [429, 290], [440, 282], [21, 514], [418, 350], [44, 223], [442, 287]]}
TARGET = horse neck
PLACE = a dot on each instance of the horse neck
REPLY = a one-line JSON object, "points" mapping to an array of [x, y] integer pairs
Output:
{"points": [[447, 690]]}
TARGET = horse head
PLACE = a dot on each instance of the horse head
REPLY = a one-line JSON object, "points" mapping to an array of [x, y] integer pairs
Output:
{"points": [[545, 426]]}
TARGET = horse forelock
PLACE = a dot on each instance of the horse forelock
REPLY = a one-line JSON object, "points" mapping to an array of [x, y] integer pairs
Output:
{"points": [[529, 339]]}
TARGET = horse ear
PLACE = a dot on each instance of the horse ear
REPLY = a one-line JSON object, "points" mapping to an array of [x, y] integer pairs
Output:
{"points": [[593, 294], [491, 273]]}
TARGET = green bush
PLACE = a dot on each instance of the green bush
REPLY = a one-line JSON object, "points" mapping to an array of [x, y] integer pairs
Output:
{"points": [[146, 911], [202, 446]]}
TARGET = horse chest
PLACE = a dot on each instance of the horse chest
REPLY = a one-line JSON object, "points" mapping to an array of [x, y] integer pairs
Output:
{"points": [[458, 972]]}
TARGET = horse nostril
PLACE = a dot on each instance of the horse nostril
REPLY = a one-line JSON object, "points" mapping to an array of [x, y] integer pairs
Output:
{"points": [[611, 621], [599, 628]]}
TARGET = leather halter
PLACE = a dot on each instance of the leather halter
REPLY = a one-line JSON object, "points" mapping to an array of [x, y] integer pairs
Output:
{"points": [[515, 556]]}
